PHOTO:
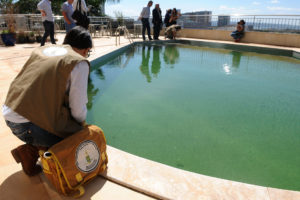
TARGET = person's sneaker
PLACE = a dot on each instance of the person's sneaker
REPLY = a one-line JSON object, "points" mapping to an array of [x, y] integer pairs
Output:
{"points": [[27, 155], [150, 39]]}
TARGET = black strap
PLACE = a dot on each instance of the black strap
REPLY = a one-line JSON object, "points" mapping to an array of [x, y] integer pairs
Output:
{"points": [[79, 5]]}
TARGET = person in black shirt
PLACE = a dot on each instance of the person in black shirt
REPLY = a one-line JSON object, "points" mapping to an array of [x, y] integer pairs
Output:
{"points": [[157, 21], [167, 17]]}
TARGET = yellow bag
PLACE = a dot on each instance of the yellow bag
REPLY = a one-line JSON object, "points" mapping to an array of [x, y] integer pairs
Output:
{"points": [[75, 160]]}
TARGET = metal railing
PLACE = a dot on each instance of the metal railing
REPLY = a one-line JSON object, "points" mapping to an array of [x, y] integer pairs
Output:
{"points": [[262, 23], [266, 23]]}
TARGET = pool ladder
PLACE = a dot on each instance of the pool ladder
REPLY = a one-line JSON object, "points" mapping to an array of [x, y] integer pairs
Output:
{"points": [[118, 34]]}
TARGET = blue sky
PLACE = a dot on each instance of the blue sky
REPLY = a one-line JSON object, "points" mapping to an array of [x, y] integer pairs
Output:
{"points": [[250, 7]]}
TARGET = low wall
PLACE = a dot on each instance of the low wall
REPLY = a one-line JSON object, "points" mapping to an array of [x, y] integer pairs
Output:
{"points": [[279, 39]]}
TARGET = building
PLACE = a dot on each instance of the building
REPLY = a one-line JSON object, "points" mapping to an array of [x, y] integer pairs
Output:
{"points": [[223, 20], [198, 19]]}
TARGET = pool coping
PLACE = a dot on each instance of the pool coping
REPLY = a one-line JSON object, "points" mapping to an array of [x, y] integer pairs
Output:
{"points": [[283, 51], [166, 182]]}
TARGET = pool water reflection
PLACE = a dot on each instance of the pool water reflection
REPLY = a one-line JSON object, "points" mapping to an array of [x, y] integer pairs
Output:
{"points": [[219, 112]]}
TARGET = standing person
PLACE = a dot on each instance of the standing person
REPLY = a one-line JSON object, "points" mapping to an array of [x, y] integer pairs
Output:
{"points": [[46, 102], [157, 21], [167, 18], [174, 16], [67, 11], [144, 16], [48, 21]]}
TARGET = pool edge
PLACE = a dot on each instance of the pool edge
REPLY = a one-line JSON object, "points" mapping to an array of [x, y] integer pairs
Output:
{"points": [[157, 180]]}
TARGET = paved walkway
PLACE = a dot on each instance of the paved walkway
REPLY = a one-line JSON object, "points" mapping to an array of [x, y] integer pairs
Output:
{"points": [[156, 180]]}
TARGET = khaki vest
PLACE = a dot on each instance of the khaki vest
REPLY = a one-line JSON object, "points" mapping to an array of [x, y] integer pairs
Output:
{"points": [[38, 93]]}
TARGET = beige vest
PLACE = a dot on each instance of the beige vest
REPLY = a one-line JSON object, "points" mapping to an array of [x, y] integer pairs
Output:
{"points": [[38, 93]]}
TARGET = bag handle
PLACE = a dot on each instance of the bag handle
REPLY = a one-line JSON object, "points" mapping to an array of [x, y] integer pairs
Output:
{"points": [[81, 192], [78, 5]]}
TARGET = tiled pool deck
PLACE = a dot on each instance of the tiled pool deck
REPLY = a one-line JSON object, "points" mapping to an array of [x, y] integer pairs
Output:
{"points": [[128, 176]]}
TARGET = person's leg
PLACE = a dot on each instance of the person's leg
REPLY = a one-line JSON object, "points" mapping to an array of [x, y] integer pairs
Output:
{"points": [[148, 29], [52, 33], [67, 27], [36, 139], [32, 134], [156, 30], [47, 32], [144, 28], [234, 35], [72, 25], [174, 34]]}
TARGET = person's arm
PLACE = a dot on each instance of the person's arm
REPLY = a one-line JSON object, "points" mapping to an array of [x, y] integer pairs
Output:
{"points": [[64, 13], [239, 28], [171, 19], [142, 13], [153, 16], [41, 8], [78, 91], [74, 4], [83, 6], [66, 17]]}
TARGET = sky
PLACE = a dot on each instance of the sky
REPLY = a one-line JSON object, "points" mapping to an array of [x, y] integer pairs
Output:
{"points": [[130, 8]]}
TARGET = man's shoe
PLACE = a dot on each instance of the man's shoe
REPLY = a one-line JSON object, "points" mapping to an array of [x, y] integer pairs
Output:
{"points": [[150, 39], [27, 155]]}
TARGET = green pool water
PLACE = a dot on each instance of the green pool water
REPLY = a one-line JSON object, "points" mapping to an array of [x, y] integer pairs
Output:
{"points": [[219, 112]]}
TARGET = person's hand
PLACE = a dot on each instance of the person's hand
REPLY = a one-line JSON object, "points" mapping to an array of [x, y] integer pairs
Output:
{"points": [[43, 13], [84, 124]]}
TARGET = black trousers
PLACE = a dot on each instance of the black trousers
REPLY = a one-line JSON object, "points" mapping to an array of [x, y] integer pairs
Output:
{"points": [[49, 30], [156, 30], [146, 25]]}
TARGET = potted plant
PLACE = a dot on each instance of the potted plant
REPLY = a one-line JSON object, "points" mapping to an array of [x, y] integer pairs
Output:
{"points": [[31, 38], [21, 37], [38, 37], [8, 35]]}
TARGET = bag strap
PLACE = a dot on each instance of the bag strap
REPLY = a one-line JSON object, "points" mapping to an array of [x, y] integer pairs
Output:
{"points": [[78, 5], [59, 168]]}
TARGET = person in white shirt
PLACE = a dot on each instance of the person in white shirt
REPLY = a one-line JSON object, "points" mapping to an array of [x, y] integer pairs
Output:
{"points": [[67, 65], [44, 7], [144, 16]]}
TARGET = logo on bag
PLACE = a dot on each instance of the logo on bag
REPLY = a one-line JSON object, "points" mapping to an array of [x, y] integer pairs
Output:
{"points": [[87, 156]]}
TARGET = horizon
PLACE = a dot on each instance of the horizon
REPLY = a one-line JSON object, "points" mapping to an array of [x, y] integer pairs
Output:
{"points": [[132, 8]]}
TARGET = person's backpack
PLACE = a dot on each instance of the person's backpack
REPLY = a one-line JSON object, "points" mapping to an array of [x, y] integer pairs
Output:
{"points": [[80, 17], [75, 160]]}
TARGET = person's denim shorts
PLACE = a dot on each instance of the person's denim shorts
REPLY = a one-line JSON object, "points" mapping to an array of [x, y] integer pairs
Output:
{"points": [[32, 134]]}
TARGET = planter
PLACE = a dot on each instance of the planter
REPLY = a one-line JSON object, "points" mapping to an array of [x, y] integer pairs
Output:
{"points": [[38, 38], [9, 39]]}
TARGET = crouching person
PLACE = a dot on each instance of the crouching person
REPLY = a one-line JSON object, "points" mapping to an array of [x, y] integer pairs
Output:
{"points": [[171, 31], [239, 32], [46, 102]]}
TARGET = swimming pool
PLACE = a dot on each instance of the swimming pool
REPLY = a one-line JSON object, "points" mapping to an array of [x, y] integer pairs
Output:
{"points": [[222, 112]]}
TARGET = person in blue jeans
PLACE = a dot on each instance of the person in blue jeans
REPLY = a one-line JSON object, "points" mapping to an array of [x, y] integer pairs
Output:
{"points": [[46, 102], [48, 21], [239, 32], [67, 11]]}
